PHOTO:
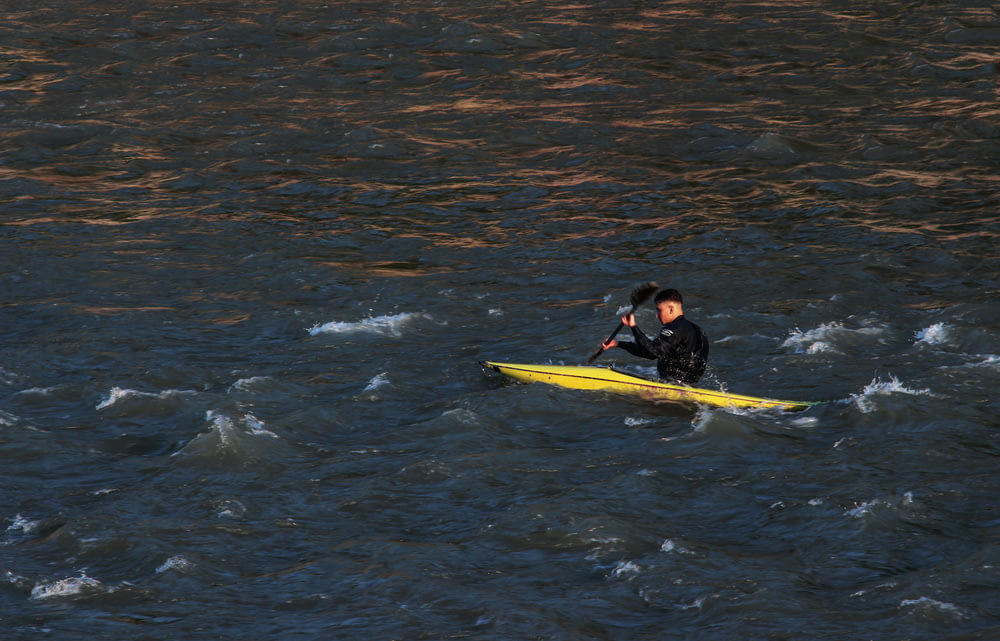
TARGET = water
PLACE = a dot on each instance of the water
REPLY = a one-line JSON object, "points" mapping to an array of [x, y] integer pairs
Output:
{"points": [[252, 253]]}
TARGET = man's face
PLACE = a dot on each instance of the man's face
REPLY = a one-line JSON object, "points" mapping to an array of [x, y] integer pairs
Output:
{"points": [[666, 311]]}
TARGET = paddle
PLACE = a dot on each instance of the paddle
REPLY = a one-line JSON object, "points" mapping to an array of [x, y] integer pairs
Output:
{"points": [[639, 296]]}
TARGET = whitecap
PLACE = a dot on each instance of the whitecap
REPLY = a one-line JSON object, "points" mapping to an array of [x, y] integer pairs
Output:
{"points": [[905, 503], [256, 426], [828, 337], [702, 419], [72, 586], [251, 383], [936, 334], [625, 568], [231, 437], [928, 606], [38, 391], [381, 325], [864, 509], [637, 422], [175, 563], [7, 419], [812, 341], [380, 380], [669, 546], [865, 400], [22, 525], [118, 394], [8, 377], [230, 509], [989, 361]]}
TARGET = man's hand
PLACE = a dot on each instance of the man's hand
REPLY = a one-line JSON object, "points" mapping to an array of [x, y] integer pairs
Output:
{"points": [[628, 320]]}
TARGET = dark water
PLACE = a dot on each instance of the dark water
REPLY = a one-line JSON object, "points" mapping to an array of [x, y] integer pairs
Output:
{"points": [[251, 252]]}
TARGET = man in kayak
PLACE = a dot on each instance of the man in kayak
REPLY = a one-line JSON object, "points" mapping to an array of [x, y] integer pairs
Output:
{"points": [[680, 349]]}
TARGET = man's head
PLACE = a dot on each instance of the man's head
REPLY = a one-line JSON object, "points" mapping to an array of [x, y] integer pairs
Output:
{"points": [[669, 305]]}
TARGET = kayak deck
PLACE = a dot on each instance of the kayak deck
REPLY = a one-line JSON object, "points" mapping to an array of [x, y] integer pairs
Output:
{"points": [[610, 380]]}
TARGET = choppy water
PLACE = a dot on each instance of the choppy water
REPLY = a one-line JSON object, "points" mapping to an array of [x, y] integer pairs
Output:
{"points": [[252, 252]]}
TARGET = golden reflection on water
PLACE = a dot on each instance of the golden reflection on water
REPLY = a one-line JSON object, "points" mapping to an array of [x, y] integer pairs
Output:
{"points": [[145, 111]]}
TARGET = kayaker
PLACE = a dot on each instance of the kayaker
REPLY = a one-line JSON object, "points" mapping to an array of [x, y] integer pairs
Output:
{"points": [[681, 347]]}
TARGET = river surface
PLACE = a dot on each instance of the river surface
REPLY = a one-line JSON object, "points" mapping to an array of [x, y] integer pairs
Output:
{"points": [[252, 252]]}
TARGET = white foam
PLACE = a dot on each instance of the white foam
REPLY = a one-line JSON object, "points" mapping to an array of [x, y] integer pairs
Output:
{"points": [[7, 419], [22, 525], [176, 563], [701, 419], [380, 380], [230, 437], [381, 325], [990, 361], [868, 507], [812, 341], [826, 337], [248, 384], [929, 605], [669, 546], [118, 394], [256, 426], [936, 334], [72, 586], [625, 568], [8, 377], [865, 400], [231, 509]]}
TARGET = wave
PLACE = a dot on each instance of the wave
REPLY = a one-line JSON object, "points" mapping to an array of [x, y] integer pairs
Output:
{"points": [[119, 395], [828, 337], [239, 438], [177, 563], [928, 608], [380, 380], [70, 587], [936, 334], [380, 325], [865, 401]]}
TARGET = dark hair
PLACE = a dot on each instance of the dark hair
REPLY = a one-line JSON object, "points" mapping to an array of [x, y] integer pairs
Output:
{"points": [[671, 295]]}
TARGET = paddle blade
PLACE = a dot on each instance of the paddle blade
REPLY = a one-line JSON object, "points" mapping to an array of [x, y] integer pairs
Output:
{"points": [[639, 296], [642, 293]]}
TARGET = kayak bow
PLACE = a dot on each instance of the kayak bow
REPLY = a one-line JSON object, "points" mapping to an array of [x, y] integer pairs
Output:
{"points": [[610, 380]]}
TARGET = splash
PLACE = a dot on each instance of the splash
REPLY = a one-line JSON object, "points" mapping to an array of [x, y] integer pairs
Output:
{"points": [[380, 325], [865, 401], [926, 606], [22, 525], [813, 341], [72, 586], [227, 436], [380, 380], [869, 508], [175, 563], [119, 394], [936, 334], [669, 546], [829, 337]]}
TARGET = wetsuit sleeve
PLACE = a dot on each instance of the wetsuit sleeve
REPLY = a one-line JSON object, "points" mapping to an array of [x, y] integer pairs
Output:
{"points": [[643, 347]]}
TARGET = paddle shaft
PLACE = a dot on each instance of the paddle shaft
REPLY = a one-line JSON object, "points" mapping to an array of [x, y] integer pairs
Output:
{"points": [[600, 349], [639, 296]]}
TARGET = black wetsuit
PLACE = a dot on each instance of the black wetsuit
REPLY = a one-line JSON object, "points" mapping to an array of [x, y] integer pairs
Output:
{"points": [[680, 350]]}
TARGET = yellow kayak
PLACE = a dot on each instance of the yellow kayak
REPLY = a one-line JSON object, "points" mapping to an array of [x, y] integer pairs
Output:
{"points": [[611, 380]]}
